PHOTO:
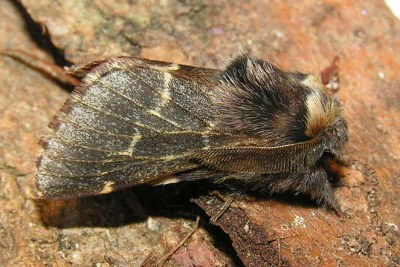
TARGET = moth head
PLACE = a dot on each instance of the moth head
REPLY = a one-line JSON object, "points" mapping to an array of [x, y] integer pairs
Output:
{"points": [[323, 116], [335, 136], [259, 99]]}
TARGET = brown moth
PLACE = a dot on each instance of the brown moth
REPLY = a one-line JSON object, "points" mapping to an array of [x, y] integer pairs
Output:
{"points": [[135, 121]]}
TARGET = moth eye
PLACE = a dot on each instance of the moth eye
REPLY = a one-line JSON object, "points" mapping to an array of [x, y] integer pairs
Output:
{"points": [[331, 130]]}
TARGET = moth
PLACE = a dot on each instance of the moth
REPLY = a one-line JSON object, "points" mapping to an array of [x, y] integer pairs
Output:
{"points": [[135, 121]]}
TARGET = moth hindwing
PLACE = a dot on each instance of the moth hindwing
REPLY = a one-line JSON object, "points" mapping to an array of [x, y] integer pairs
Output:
{"points": [[135, 121]]}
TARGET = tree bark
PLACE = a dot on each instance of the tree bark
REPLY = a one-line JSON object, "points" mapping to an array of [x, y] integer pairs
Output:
{"points": [[125, 228]]}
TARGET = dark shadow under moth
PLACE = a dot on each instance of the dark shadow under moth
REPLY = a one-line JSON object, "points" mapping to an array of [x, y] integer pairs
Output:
{"points": [[135, 121]]}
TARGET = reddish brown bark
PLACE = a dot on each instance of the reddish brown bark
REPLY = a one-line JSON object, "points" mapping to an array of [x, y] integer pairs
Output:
{"points": [[117, 229]]}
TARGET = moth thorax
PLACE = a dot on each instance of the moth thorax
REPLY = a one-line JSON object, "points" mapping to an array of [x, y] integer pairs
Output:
{"points": [[321, 111]]}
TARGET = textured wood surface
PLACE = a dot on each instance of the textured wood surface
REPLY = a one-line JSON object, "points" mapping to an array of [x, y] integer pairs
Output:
{"points": [[126, 227]]}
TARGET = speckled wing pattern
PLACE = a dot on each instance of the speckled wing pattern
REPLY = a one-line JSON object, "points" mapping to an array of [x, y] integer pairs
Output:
{"points": [[135, 121]]}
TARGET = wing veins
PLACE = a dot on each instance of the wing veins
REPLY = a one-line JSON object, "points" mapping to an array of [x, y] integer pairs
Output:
{"points": [[114, 115], [174, 123], [113, 152], [117, 153], [86, 127], [103, 173], [88, 161], [176, 103]]}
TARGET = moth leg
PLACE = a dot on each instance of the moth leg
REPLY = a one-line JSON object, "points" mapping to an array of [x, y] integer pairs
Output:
{"points": [[315, 184], [201, 174]]}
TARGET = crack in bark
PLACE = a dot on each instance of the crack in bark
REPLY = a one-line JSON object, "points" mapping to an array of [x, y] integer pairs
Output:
{"points": [[40, 35]]}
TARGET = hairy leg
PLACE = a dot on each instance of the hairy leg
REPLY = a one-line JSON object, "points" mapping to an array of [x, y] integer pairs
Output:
{"points": [[315, 184]]}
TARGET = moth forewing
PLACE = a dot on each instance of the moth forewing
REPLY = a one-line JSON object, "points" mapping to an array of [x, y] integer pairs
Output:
{"points": [[131, 121]]}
